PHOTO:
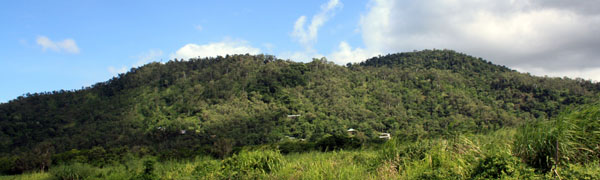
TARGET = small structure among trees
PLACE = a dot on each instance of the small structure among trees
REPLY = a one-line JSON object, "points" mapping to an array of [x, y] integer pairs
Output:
{"points": [[385, 136], [352, 132], [293, 116]]}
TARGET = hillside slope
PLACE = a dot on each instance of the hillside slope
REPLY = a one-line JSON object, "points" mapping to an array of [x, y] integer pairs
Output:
{"points": [[246, 99]]}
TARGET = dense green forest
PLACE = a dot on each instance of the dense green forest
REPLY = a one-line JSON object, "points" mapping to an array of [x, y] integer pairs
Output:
{"points": [[220, 106]]}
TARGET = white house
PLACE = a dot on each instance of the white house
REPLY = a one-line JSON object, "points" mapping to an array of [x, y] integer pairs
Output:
{"points": [[386, 136]]}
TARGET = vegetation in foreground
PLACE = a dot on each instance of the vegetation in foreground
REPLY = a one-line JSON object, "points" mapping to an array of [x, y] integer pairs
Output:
{"points": [[487, 156], [503, 154]]}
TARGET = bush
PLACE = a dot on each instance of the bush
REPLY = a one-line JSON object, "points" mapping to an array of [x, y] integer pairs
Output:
{"points": [[96, 156], [287, 147], [396, 150], [205, 167], [501, 165], [7, 165], [73, 171], [437, 164], [578, 171], [148, 172], [251, 164], [71, 156], [337, 142]]}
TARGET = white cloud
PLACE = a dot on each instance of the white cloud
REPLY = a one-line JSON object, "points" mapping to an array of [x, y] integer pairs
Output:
{"points": [[307, 36], [66, 45], [198, 27], [222, 48], [554, 35], [142, 58], [345, 54]]}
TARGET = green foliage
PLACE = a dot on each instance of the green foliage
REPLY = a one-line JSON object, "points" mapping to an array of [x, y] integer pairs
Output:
{"points": [[536, 145], [337, 142], [576, 134], [251, 164], [74, 171], [287, 147], [7, 164], [397, 150], [206, 167], [148, 171], [479, 156], [29, 176], [96, 156], [588, 171], [501, 166], [222, 147], [438, 163]]}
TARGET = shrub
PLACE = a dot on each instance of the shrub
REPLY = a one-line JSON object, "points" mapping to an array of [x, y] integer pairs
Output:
{"points": [[73, 155], [205, 167], [148, 172], [437, 164], [248, 164], [7, 164], [578, 171], [396, 150], [501, 165], [73, 171], [337, 142], [287, 147], [222, 147]]}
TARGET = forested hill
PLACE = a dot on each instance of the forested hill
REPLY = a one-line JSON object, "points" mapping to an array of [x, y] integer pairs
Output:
{"points": [[245, 100], [434, 59]]}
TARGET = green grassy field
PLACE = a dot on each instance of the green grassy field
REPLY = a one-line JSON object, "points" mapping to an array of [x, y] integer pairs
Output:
{"points": [[488, 156]]}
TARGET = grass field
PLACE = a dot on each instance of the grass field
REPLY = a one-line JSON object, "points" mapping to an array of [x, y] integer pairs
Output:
{"points": [[487, 156]]}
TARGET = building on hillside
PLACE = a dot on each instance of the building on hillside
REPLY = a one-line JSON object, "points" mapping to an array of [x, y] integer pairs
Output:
{"points": [[385, 136], [293, 116], [352, 132]]}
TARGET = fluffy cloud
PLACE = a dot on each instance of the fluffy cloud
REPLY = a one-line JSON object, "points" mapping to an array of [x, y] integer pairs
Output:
{"points": [[66, 45], [215, 49], [552, 36], [307, 35], [345, 54]]}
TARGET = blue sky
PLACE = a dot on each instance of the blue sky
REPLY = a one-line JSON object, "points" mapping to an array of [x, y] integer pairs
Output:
{"points": [[53, 45]]}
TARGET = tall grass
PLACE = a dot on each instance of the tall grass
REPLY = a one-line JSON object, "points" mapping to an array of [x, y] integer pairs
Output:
{"points": [[572, 137], [327, 165], [479, 156], [29, 176]]}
